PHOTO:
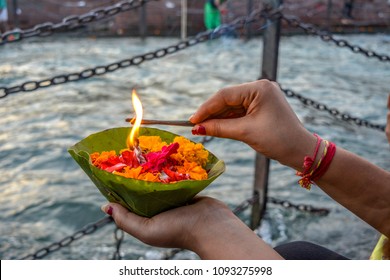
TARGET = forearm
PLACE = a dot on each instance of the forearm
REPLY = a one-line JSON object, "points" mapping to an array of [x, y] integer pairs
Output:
{"points": [[354, 182], [361, 187], [232, 240]]}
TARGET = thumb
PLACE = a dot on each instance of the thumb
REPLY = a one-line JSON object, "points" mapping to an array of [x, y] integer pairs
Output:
{"points": [[126, 220], [223, 128]]}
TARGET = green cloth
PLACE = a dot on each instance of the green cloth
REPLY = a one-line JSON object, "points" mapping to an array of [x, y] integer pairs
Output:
{"points": [[212, 16], [3, 4]]}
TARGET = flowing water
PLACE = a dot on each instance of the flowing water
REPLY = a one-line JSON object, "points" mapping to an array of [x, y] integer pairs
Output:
{"points": [[45, 196]]}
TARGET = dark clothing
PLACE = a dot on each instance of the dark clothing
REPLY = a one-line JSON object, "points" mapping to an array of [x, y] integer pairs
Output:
{"points": [[301, 250], [347, 10]]}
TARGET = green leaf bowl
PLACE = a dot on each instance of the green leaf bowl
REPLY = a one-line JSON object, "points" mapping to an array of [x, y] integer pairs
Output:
{"points": [[141, 197]]}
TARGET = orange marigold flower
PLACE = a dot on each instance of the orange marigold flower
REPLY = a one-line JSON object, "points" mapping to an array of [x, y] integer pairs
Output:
{"points": [[136, 173], [190, 152], [148, 176], [151, 143], [195, 171], [129, 172], [98, 158]]}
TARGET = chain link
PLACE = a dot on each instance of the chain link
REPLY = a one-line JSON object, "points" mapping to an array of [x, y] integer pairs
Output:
{"points": [[334, 112], [245, 204], [207, 139], [71, 22], [118, 235], [300, 207], [89, 229], [325, 36]]}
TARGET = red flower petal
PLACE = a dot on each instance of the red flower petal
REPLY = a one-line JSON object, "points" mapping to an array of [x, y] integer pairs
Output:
{"points": [[175, 176], [115, 167], [157, 160], [129, 158]]}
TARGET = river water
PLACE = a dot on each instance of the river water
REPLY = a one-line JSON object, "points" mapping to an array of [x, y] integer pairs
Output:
{"points": [[45, 196]]}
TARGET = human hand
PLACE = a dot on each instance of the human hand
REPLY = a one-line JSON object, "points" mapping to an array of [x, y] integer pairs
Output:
{"points": [[258, 114], [173, 228], [206, 226]]}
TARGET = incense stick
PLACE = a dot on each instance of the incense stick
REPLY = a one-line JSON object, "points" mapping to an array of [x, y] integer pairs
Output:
{"points": [[162, 122]]}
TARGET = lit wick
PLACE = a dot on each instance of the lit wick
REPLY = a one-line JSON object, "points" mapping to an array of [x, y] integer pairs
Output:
{"points": [[138, 152], [132, 140]]}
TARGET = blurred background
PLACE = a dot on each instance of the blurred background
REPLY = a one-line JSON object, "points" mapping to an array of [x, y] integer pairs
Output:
{"points": [[45, 197], [163, 18]]}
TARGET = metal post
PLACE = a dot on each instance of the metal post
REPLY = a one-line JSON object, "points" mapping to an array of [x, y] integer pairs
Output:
{"points": [[15, 13], [142, 22], [183, 19], [268, 71], [329, 15], [248, 27]]}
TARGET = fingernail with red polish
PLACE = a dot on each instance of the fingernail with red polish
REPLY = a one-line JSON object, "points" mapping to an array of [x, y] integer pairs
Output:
{"points": [[199, 130], [109, 210]]}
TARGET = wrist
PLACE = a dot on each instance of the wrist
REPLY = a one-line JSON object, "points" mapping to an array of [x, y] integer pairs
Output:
{"points": [[205, 237], [300, 146], [230, 238]]}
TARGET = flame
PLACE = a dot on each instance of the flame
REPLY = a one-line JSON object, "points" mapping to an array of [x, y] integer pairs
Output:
{"points": [[137, 105]]}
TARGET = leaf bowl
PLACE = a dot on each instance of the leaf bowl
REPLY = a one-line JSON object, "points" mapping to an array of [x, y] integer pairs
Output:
{"points": [[141, 197]]}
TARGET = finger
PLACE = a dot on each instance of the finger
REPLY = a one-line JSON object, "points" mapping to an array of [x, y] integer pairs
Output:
{"points": [[224, 128], [131, 223], [225, 103]]}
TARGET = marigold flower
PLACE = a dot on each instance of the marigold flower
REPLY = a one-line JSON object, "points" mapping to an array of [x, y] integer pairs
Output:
{"points": [[195, 171], [190, 152], [129, 172], [104, 157], [180, 160], [151, 143]]}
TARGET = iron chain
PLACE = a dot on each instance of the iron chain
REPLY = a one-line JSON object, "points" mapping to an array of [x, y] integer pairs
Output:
{"points": [[284, 203], [245, 204], [207, 139], [89, 229], [71, 22], [324, 35], [334, 112], [300, 207], [134, 61], [100, 70], [118, 235]]}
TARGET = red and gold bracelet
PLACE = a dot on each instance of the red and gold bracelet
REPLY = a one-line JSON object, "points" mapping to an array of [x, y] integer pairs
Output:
{"points": [[312, 171]]}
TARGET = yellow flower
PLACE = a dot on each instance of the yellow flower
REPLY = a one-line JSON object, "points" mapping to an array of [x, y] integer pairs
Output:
{"points": [[195, 171], [151, 143], [190, 152]]}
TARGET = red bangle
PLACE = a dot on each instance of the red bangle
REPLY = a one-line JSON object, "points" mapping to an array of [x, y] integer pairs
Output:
{"points": [[323, 167], [311, 173], [308, 161]]}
